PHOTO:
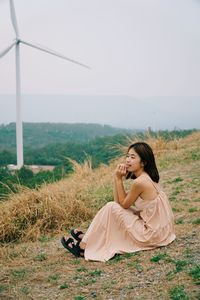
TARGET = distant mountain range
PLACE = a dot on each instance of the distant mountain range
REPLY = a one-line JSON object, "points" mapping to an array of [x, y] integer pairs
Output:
{"points": [[38, 135]]}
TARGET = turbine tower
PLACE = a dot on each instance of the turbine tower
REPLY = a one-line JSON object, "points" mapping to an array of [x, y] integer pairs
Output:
{"points": [[16, 43]]}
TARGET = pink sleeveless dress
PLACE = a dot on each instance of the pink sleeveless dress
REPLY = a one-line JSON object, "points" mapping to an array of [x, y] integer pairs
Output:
{"points": [[115, 229]]}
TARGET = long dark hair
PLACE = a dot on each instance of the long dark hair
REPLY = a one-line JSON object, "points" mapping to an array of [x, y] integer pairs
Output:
{"points": [[147, 157]]}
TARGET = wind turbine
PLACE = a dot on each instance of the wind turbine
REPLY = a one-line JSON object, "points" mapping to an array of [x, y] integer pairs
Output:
{"points": [[16, 43]]}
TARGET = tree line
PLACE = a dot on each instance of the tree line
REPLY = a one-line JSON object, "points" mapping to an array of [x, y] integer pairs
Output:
{"points": [[37, 135]]}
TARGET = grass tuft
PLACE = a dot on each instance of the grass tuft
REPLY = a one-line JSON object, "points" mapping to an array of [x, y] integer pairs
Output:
{"points": [[196, 221], [195, 273], [178, 293]]}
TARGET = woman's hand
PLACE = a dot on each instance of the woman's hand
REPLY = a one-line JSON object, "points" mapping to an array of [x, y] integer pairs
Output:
{"points": [[120, 171]]}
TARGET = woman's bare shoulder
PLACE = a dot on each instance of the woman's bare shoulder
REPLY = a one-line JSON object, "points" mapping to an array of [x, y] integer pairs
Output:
{"points": [[141, 180]]}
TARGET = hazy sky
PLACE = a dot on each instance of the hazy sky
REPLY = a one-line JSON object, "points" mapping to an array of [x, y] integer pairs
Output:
{"points": [[137, 49]]}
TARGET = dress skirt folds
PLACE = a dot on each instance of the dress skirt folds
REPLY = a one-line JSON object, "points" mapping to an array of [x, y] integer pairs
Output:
{"points": [[146, 225]]}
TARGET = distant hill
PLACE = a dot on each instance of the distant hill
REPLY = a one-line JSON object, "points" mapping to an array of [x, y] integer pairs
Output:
{"points": [[37, 135], [51, 143]]}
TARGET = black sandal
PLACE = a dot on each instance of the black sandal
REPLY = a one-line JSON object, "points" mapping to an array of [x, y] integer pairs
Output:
{"points": [[75, 249], [76, 234]]}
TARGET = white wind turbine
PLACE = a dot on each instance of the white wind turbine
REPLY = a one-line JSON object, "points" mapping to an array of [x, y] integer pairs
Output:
{"points": [[16, 43]]}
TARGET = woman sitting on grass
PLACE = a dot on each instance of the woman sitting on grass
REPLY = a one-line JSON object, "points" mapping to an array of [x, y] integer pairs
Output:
{"points": [[118, 227]]}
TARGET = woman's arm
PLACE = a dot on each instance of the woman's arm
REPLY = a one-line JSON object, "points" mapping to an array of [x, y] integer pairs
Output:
{"points": [[119, 172], [115, 191], [120, 191], [124, 199], [115, 194]]}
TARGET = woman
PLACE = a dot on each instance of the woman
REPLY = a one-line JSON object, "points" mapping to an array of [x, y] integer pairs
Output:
{"points": [[118, 227]]}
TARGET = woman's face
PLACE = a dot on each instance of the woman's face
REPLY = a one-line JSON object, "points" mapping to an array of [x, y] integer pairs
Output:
{"points": [[133, 161]]}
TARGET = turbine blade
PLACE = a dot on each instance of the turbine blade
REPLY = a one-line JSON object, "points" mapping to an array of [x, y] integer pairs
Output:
{"points": [[47, 50], [13, 17], [2, 53]]}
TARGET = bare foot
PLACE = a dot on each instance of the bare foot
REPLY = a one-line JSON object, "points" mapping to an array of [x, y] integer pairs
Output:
{"points": [[82, 244], [80, 235]]}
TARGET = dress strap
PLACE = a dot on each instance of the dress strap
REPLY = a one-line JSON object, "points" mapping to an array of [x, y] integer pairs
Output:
{"points": [[157, 189]]}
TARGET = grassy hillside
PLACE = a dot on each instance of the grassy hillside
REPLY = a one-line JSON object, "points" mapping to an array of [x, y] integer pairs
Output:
{"points": [[37, 267]]}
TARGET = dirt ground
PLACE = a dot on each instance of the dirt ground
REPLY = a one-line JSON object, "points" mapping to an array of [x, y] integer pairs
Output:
{"points": [[45, 270]]}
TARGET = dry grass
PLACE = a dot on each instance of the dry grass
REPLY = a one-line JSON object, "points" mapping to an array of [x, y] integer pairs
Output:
{"points": [[54, 207], [157, 142], [37, 267], [30, 213]]}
